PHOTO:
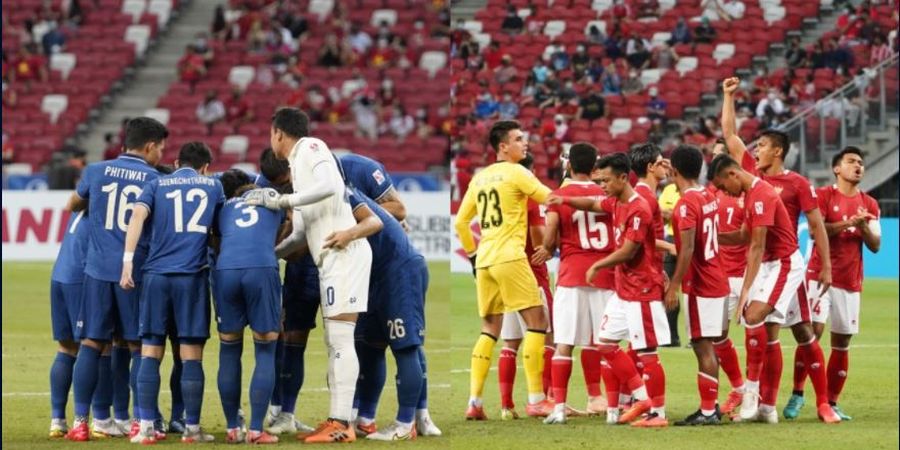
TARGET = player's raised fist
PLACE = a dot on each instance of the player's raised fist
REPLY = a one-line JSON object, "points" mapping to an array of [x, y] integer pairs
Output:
{"points": [[730, 85], [267, 197]]}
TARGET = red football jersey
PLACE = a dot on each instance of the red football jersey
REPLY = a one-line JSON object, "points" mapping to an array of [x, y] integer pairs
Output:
{"points": [[584, 238], [763, 208], [846, 246], [650, 196], [640, 279], [698, 209], [731, 217], [536, 218], [796, 192], [748, 163]]}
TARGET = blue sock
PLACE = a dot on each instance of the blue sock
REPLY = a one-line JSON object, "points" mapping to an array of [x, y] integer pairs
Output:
{"points": [[423, 397], [229, 379], [192, 380], [277, 393], [372, 373], [175, 386], [84, 377], [148, 387], [102, 398], [132, 380], [291, 376], [409, 383], [121, 359], [60, 382], [262, 383]]}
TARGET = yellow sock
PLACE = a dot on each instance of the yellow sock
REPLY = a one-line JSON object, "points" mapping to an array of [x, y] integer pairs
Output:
{"points": [[481, 364], [533, 355]]}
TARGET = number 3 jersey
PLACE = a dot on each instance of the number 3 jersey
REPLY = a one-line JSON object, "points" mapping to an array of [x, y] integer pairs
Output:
{"points": [[498, 195], [111, 188], [182, 208], [584, 238], [247, 235], [698, 210]]}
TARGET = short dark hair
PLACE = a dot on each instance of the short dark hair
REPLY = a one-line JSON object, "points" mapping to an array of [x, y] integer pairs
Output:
{"points": [[194, 154], [165, 169], [778, 139], [643, 155], [271, 167], [232, 179], [527, 162], [718, 164], [292, 122], [582, 157], [141, 131], [617, 162], [688, 161], [500, 131], [849, 150]]}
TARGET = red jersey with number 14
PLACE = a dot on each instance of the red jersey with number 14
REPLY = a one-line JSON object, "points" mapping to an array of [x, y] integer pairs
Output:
{"points": [[731, 217], [641, 279], [698, 209], [584, 238], [763, 208]]}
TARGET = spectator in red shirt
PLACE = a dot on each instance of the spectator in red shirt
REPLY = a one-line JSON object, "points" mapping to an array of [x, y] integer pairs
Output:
{"points": [[113, 146], [880, 51], [383, 56], [31, 65], [493, 55], [8, 152], [191, 67], [237, 110]]}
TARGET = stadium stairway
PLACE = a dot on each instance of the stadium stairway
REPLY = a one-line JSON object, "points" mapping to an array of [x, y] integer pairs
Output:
{"points": [[151, 79], [466, 9]]}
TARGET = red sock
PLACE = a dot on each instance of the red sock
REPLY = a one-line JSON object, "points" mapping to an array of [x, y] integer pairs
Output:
{"points": [[506, 370], [771, 376], [548, 373], [755, 343], [638, 364], [655, 379], [815, 365], [590, 365], [562, 371], [838, 366], [728, 361], [621, 365], [799, 370], [709, 391], [611, 383]]}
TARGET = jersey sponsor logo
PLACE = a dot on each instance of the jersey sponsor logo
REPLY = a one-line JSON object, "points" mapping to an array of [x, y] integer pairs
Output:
{"points": [[378, 176], [683, 210], [758, 206]]}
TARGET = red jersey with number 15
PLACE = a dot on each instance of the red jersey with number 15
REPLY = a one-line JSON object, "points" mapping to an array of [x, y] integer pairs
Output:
{"points": [[731, 217], [584, 238], [641, 279], [763, 208], [698, 209], [535, 218]]}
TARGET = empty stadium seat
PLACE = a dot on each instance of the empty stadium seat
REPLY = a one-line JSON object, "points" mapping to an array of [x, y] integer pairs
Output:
{"points": [[665, 5], [321, 8], [432, 61], [236, 145], [54, 105], [473, 26], [63, 62], [384, 15], [619, 126], [686, 64], [722, 52], [651, 76], [160, 114], [660, 38], [162, 9], [483, 39], [601, 5], [134, 8], [241, 76], [773, 14], [139, 35], [554, 28], [524, 13]]}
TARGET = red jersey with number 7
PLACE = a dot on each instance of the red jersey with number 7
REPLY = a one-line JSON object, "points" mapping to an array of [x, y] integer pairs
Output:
{"points": [[698, 209], [731, 217], [585, 237]]}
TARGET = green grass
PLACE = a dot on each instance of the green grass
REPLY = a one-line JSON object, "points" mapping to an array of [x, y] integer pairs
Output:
{"points": [[870, 395], [28, 352]]}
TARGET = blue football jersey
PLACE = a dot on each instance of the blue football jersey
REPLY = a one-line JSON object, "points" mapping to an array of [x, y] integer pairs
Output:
{"points": [[69, 265], [391, 245], [111, 188], [183, 207], [248, 235], [366, 175]]}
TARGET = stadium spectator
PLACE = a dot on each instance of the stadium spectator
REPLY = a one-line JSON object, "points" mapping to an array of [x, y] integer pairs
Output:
{"points": [[512, 24], [595, 36], [493, 55], [237, 109], [113, 146], [65, 168], [632, 85], [31, 65], [580, 61], [53, 40], [332, 53], [770, 105], [837, 55], [620, 10], [869, 30], [656, 107], [559, 58], [9, 96], [366, 118], [9, 153], [612, 82], [704, 33], [191, 67], [424, 128], [486, 107], [726, 10], [816, 58], [360, 41], [593, 106], [880, 51], [681, 34], [401, 124], [646, 9], [219, 27], [383, 56], [795, 55], [210, 111], [539, 71], [506, 72], [387, 96], [631, 46], [508, 108], [664, 57], [640, 59]]}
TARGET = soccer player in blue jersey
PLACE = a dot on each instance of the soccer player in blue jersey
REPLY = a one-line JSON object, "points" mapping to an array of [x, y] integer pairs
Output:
{"points": [[372, 179], [108, 311], [65, 304], [247, 291], [181, 208]]}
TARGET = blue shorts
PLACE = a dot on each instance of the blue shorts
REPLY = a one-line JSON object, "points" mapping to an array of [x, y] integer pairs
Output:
{"points": [[65, 305], [248, 296], [300, 295], [107, 311], [396, 313], [179, 298]]}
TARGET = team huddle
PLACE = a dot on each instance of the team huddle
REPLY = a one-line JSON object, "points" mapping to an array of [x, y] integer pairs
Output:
{"points": [[147, 246], [736, 252]]}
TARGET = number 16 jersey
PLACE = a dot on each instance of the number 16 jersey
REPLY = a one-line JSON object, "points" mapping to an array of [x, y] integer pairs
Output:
{"points": [[498, 195], [584, 238]]}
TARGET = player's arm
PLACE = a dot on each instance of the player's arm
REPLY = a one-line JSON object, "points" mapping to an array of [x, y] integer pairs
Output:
{"points": [[296, 240], [870, 227], [391, 202], [464, 216], [76, 203], [327, 181], [135, 227], [738, 237], [733, 143], [682, 262], [583, 203], [754, 260], [367, 224], [663, 245], [817, 232], [548, 235], [623, 254]]}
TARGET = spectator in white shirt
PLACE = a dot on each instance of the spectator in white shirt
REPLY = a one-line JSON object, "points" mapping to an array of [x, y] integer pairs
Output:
{"points": [[401, 123], [726, 10], [771, 101], [210, 111]]}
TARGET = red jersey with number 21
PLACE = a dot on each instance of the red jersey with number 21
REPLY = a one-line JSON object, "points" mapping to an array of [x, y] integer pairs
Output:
{"points": [[584, 238], [638, 280], [698, 209]]}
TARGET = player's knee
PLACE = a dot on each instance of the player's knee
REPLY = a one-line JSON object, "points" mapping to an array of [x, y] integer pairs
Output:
{"points": [[295, 337], [94, 344], [231, 337], [265, 337], [191, 352], [607, 347], [345, 317], [380, 346], [512, 343], [840, 340], [68, 347], [803, 332], [153, 346]]}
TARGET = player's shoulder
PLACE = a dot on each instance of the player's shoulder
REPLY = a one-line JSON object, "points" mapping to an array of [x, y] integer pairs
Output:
{"points": [[638, 204], [312, 144], [797, 179]]}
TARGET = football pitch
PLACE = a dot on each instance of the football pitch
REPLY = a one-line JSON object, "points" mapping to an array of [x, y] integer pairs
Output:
{"points": [[870, 395], [28, 351]]}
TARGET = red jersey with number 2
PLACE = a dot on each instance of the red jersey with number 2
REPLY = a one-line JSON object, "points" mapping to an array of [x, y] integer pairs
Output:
{"points": [[641, 279], [584, 238], [698, 209]]}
